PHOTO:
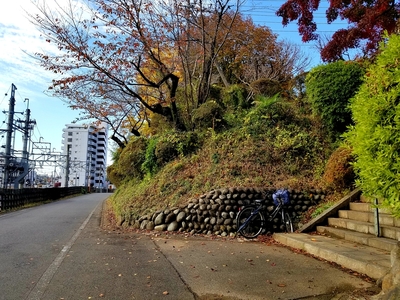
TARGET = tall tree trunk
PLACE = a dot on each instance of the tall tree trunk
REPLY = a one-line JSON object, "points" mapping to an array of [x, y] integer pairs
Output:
{"points": [[204, 86]]}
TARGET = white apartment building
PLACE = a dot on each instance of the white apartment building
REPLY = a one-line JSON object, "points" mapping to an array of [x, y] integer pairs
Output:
{"points": [[87, 160]]}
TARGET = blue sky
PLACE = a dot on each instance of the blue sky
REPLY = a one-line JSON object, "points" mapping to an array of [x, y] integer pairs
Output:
{"points": [[263, 12], [18, 37]]}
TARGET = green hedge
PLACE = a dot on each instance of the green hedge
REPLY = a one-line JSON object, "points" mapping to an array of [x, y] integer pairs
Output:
{"points": [[375, 137]]}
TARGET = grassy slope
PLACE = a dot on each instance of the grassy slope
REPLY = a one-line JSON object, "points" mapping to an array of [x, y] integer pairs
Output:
{"points": [[288, 149]]}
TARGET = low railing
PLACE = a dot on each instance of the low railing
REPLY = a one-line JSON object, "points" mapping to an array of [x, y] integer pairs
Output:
{"points": [[10, 198]]}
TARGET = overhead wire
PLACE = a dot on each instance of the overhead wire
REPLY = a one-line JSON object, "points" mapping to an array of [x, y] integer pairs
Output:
{"points": [[5, 95], [263, 13], [257, 11]]}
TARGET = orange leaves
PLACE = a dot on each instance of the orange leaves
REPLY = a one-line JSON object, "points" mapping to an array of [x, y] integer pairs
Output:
{"points": [[128, 55]]}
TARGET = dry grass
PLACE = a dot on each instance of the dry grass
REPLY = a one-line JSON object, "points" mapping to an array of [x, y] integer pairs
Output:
{"points": [[290, 152]]}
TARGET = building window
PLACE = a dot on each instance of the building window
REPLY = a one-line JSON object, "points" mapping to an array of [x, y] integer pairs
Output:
{"points": [[70, 140]]}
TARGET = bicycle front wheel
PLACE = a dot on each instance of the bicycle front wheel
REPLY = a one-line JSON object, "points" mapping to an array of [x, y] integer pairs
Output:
{"points": [[250, 225], [287, 222]]}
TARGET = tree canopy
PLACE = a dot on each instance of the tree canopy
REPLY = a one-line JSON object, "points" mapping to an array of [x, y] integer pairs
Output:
{"points": [[119, 57], [368, 19], [123, 62]]}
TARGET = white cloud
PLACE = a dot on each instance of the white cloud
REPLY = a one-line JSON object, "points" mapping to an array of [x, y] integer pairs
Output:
{"points": [[19, 39]]}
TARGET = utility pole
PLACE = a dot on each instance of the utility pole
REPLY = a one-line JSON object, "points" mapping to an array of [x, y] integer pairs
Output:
{"points": [[26, 128], [26, 131], [9, 135], [67, 166]]}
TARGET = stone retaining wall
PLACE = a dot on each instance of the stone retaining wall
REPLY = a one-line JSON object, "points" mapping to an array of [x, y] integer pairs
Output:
{"points": [[215, 211]]}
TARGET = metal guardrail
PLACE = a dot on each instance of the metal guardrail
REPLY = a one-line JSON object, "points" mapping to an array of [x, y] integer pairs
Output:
{"points": [[12, 198]]}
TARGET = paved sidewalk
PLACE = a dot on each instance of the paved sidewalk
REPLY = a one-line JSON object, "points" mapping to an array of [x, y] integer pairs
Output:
{"points": [[105, 264], [253, 270]]}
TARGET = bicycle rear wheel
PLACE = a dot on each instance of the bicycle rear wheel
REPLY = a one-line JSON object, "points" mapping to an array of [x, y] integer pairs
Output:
{"points": [[250, 226], [287, 222]]}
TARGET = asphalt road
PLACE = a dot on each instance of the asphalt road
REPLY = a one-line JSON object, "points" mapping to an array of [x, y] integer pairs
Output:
{"points": [[59, 251], [31, 239]]}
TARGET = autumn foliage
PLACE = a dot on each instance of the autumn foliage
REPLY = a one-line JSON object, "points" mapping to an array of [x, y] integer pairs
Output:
{"points": [[128, 63], [367, 19], [339, 172]]}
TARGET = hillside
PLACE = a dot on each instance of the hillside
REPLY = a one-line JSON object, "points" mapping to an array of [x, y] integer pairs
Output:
{"points": [[276, 143]]}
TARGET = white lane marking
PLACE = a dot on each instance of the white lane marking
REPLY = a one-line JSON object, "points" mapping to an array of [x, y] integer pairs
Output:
{"points": [[39, 289]]}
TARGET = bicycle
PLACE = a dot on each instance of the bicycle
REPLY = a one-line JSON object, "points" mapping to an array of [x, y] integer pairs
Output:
{"points": [[252, 220]]}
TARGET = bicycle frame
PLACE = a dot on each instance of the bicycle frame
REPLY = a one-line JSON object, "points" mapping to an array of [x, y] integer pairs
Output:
{"points": [[278, 209], [253, 213]]}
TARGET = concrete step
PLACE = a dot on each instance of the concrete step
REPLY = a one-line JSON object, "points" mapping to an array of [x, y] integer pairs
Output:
{"points": [[358, 237], [361, 206], [390, 232], [363, 259], [367, 216]]}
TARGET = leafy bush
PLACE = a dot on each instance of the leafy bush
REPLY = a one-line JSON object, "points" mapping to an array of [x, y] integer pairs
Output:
{"points": [[165, 151], [329, 89], [236, 96], [292, 142], [339, 172], [189, 142], [171, 145], [375, 137], [267, 87], [215, 92], [158, 125], [150, 165], [208, 115], [267, 113], [129, 162], [114, 175]]}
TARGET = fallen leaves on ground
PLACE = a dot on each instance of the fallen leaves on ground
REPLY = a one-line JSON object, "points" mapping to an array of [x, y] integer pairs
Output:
{"points": [[281, 285]]}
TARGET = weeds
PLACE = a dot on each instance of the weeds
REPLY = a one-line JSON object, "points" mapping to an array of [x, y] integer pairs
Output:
{"points": [[263, 151], [320, 208]]}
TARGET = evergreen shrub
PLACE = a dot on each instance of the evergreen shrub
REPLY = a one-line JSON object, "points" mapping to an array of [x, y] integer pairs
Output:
{"points": [[129, 163], [236, 96], [165, 151], [174, 144], [150, 164], [375, 136], [329, 89], [208, 115], [266, 113]]}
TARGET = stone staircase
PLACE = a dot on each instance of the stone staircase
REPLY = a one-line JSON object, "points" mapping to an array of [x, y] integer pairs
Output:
{"points": [[353, 234], [357, 225]]}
